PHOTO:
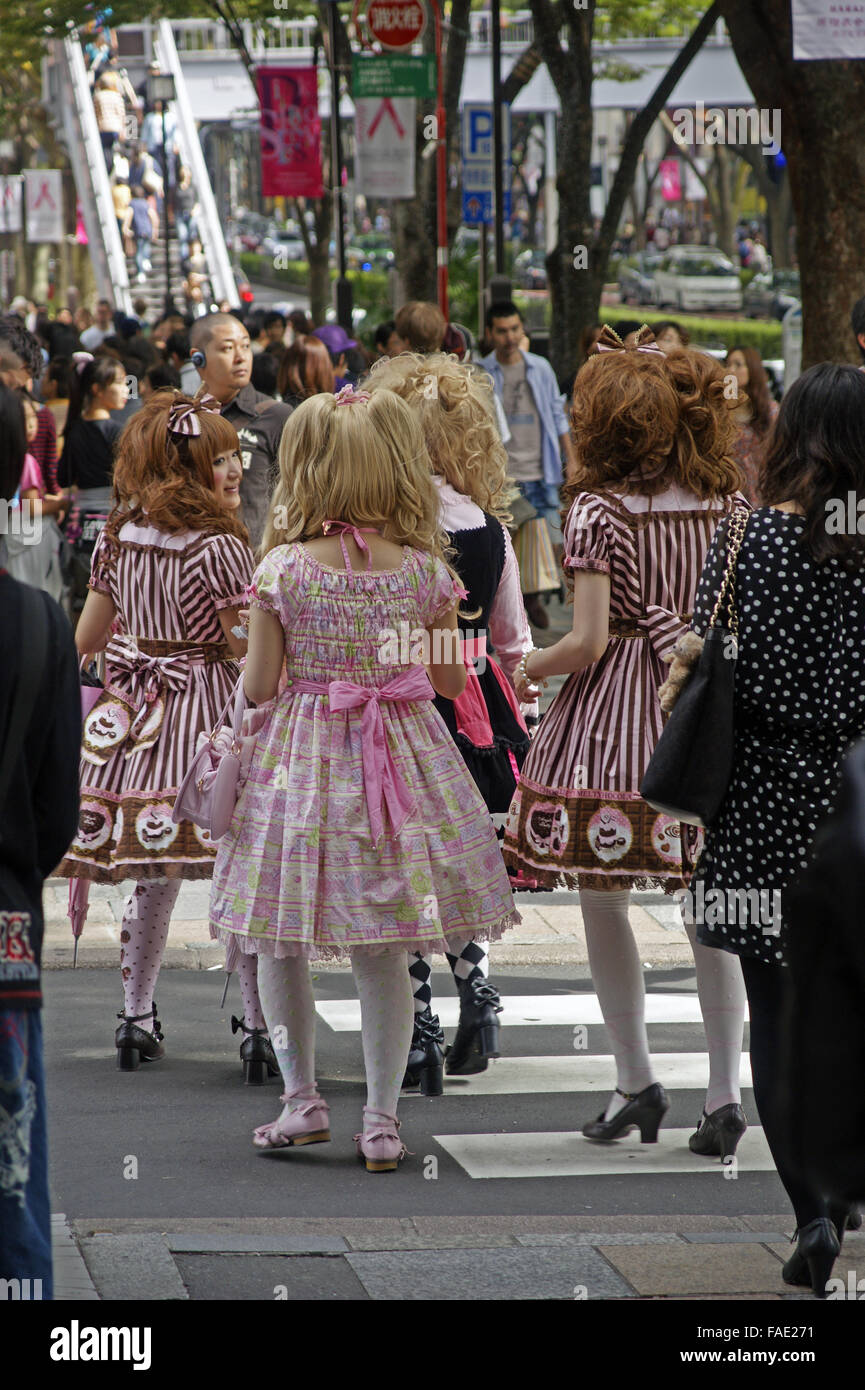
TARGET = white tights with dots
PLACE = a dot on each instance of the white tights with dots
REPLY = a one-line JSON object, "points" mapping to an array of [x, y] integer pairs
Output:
{"points": [[143, 934]]}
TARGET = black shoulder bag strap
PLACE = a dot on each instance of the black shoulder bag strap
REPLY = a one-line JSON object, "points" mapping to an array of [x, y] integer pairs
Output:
{"points": [[34, 650]]}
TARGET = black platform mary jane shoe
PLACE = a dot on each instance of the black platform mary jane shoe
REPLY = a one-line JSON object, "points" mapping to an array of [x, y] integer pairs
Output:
{"points": [[256, 1054], [135, 1045], [645, 1110], [719, 1133], [477, 1035], [424, 1066]]}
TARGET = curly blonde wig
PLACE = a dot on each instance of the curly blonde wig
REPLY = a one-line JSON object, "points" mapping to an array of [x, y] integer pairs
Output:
{"points": [[361, 461], [454, 403]]}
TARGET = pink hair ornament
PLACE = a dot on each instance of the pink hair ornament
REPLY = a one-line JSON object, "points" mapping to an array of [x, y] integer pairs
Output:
{"points": [[347, 395], [81, 360]]}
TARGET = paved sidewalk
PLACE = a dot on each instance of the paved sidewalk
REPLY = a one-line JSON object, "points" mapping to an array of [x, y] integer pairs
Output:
{"points": [[410, 1259], [551, 932]]}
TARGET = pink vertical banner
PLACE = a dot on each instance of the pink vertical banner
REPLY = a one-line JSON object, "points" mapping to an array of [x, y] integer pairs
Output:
{"points": [[290, 133], [671, 180]]}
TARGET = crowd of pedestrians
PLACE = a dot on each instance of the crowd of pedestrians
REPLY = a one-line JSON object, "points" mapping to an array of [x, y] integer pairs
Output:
{"points": [[303, 528]]}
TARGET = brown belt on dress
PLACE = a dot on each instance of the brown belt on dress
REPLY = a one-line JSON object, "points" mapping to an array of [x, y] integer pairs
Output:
{"points": [[629, 627], [206, 652]]}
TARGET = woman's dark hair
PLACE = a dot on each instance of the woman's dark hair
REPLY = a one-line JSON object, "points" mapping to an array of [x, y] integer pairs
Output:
{"points": [[300, 321], [59, 369], [13, 443], [816, 456], [162, 376], [102, 371], [306, 369], [663, 324], [15, 336], [759, 394], [264, 372], [382, 334]]}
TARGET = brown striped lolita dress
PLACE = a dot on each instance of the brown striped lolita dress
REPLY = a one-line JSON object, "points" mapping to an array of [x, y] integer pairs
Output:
{"points": [[577, 817], [168, 676]]}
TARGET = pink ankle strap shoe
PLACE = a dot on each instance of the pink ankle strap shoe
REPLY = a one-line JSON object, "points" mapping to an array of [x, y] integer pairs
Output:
{"points": [[308, 1122], [379, 1146]]}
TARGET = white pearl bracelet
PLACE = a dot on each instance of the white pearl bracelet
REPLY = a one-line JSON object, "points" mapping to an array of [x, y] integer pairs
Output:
{"points": [[523, 673]]}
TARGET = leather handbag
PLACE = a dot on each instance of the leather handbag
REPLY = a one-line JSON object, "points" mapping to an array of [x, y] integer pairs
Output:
{"points": [[208, 793], [689, 771]]}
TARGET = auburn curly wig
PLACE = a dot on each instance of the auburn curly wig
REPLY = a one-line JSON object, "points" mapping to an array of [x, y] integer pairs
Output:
{"points": [[703, 450], [454, 404], [167, 478], [642, 423]]}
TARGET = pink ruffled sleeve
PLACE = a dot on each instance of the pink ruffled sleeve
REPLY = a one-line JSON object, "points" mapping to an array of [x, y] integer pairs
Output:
{"points": [[275, 586], [438, 591], [587, 535]]}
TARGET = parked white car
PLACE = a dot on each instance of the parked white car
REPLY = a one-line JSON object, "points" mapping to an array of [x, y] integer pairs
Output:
{"points": [[697, 277]]}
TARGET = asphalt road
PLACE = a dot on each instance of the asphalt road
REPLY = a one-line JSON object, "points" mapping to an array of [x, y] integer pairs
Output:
{"points": [[187, 1121]]}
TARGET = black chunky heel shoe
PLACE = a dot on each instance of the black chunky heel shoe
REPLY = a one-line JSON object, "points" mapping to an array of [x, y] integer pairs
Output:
{"points": [[719, 1133], [646, 1110], [424, 1066], [135, 1045], [477, 1035], [812, 1260], [256, 1054]]}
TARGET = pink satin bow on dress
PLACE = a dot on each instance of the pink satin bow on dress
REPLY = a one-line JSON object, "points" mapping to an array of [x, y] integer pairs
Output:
{"points": [[383, 784]]}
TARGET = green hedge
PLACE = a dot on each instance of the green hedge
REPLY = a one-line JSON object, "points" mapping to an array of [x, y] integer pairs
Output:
{"points": [[708, 333], [372, 293]]}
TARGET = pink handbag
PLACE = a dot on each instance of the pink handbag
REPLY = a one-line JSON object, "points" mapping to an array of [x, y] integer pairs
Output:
{"points": [[208, 793], [91, 689]]}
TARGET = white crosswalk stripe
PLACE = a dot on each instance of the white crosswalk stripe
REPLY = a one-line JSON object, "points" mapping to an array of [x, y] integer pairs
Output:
{"points": [[565, 1153], [528, 1010], [569, 1155], [513, 1076]]}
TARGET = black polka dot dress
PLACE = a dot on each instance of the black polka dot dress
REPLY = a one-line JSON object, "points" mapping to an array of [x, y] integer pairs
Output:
{"points": [[799, 705]]}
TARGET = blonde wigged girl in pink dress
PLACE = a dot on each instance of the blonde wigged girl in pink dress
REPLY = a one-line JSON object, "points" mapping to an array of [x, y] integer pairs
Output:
{"points": [[359, 831]]}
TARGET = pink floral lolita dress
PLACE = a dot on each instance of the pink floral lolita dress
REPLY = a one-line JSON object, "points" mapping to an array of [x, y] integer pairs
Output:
{"points": [[358, 825]]}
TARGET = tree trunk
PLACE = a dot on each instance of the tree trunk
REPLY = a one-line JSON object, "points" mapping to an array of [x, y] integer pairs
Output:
{"points": [[575, 292], [414, 219], [826, 164]]}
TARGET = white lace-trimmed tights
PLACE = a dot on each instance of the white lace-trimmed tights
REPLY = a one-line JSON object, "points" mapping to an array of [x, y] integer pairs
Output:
{"points": [[386, 1012]]}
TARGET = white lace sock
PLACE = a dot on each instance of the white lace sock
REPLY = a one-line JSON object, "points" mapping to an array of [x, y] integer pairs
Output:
{"points": [[387, 1015], [617, 975], [288, 1005], [721, 990], [143, 934]]}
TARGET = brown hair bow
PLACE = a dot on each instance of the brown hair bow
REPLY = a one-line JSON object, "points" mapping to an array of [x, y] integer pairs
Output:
{"points": [[610, 341]]}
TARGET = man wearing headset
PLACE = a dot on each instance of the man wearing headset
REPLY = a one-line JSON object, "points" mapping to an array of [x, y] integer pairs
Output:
{"points": [[222, 354]]}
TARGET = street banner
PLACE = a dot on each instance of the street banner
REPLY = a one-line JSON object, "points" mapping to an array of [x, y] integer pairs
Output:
{"points": [[290, 133], [385, 134], [43, 201], [10, 203], [827, 29], [394, 75], [671, 180]]}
